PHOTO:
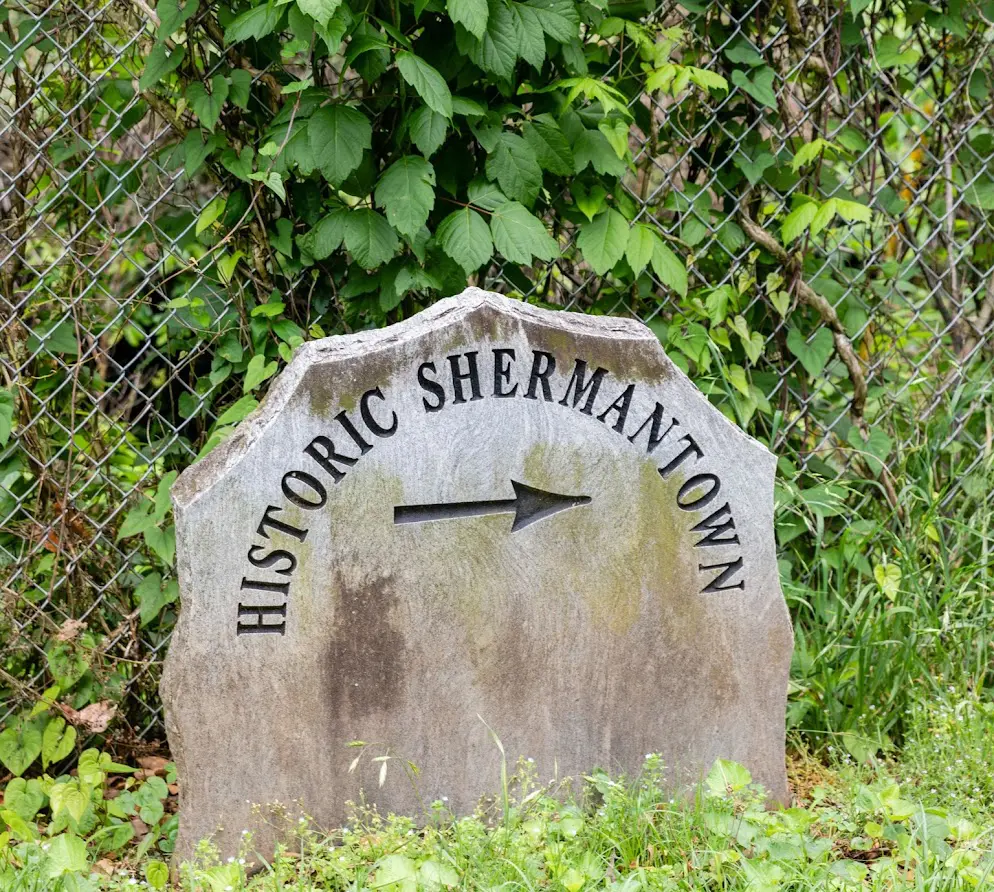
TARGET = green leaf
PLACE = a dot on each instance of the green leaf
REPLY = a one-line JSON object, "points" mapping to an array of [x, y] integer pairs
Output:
{"points": [[813, 355], [406, 192], [209, 215], [876, 446], [258, 370], [57, 741], [743, 53], [753, 163], [810, 151], [640, 248], [238, 410], [514, 166], [25, 797], [670, 270], [239, 165], [6, 416], [20, 745], [759, 85], [172, 16], [592, 147], [241, 87], [395, 873], [427, 130], [157, 875], [497, 51], [338, 136], [272, 180], [531, 40], [207, 106], [254, 23], [852, 211], [369, 238], [66, 854], [160, 62], [890, 55], [319, 10], [426, 80], [465, 237], [519, 235], [559, 19], [549, 144], [727, 777], [326, 238], [603, 241], [616, 133], [162, 541], [137, 520], [824, 216], [471, 14], [798, 220], [980, 194]]}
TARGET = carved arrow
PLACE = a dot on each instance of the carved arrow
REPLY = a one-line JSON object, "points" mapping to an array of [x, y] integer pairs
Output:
{"points": [[528, 505]]}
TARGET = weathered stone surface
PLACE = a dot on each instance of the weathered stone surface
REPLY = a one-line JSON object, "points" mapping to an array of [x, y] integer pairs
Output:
{"points": [[497, 546]]}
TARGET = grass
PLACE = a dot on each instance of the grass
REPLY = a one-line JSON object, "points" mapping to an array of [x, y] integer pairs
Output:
{"points": [[925, 822]]}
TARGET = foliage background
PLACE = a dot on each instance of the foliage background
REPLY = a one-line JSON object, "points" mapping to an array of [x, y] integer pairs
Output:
{"points": [[797, 197]]}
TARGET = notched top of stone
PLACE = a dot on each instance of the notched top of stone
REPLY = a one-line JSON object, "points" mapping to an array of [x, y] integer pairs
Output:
{"points": [[197, 480]]}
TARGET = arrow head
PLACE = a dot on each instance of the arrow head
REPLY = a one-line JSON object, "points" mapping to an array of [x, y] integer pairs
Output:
{"points": [[534, 504]]}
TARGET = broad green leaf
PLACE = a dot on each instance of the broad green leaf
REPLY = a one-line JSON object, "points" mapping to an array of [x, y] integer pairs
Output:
{"points": [[519, 235], [670, 270], [641, 244], [338, 136], [406, 192], [207, 105], [706, 79], [241, 87], [20, 828], [813, 355], [157, 875], [876, 448], [616, 133], [20, 745], [66, 854], [395, 873], [590, 203], [433, 874], [208, 216], [272, 180], [744, 53], [531, 40], [514, 166], [239, 165], [980, 194], [753, 163], [426, 80], [484, 194], [798, 220], [758, 84], [57, 741], [427, 130], [497, 50], [559, 19], [369, 238], [471, 14], [172, 16], [25, 797], [327, 236], [258, 370], [726, 778], [6, 416], [890, 54], [852, 211], [809, 152], [549, 143], [160, 62], [465, 237], [254, 23], [825, 215], [603, 241], [319, 10], [592, 147]]}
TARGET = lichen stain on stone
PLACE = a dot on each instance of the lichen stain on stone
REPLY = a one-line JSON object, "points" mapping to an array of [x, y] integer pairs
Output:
{"points": [[364, 663], [328, 391]]}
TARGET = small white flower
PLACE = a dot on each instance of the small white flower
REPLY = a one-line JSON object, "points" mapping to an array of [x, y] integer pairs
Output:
{"points": [[445, 799], [241, 860], [231, 860]]}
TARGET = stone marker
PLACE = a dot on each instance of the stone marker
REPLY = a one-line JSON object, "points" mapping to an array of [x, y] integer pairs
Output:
{"points": [[487, 513]]}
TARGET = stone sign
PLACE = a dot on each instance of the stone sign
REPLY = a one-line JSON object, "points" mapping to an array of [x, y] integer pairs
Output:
{"points": [[489, 515]]}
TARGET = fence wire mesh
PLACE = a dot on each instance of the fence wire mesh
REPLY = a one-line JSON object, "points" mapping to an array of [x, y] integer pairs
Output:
{"points": [[107, 382]]}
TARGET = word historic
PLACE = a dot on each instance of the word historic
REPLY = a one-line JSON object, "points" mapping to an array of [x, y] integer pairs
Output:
{"points": [[463, 378]]}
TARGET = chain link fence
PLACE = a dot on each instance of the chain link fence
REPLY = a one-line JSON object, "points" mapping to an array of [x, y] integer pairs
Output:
{"points": [[107, 383]]}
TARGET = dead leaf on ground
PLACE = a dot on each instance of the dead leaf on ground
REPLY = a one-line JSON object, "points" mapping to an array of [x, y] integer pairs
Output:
{"points": [[153, 765], [93, 718], [70, 630]]}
